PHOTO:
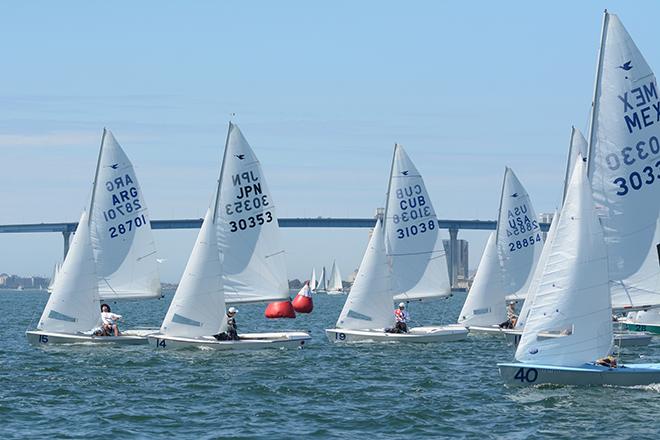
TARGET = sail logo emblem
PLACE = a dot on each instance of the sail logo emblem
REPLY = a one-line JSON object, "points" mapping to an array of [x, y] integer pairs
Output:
{"points": [[405, 173], [114, 166], [240, 156], [514, 195], [626, 66]]}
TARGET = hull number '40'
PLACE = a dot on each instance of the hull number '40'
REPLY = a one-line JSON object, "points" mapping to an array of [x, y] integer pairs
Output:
{"points": [[528, 375]]}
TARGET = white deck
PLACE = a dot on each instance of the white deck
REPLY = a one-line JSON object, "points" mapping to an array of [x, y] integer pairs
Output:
{"points": [[247, 341], [415, 334]]}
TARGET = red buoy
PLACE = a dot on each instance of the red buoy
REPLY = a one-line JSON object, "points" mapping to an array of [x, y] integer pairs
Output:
{"points": [[281, 309], [302, 303]]}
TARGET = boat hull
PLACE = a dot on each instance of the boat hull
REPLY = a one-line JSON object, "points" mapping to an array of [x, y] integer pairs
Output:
{"points": [[415, 335], [128, 337], [247, 341], [486, 330], [519, 374], [651, 328]]}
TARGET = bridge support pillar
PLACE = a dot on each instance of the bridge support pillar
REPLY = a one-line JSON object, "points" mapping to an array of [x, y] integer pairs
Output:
{"points": [[67, 236], [453, 256]]}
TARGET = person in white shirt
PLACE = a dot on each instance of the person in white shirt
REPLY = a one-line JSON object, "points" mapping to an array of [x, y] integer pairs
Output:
{"points": [[109, 320]]}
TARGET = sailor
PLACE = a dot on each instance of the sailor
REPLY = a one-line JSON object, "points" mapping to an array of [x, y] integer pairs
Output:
{"points": [[402, 317], [511, 316], [231, 334], [109, 321]]}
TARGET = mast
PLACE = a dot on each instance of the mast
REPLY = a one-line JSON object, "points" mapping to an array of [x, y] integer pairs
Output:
{"points": [[96, 177], [222, 171], [389, 185], [499, 211], [568, 164], [597, 87]]}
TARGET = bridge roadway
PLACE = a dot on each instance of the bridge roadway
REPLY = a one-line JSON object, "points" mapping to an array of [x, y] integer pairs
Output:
{"points": [[319, 222]]}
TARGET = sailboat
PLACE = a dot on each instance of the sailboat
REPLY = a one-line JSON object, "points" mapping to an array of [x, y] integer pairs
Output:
{"points": [[112, 256], [322, 285], [412, 236], [313, 284], [233, 233], [53, 278], [605, 220], [508, 262], [335, 286], [402, 258]]}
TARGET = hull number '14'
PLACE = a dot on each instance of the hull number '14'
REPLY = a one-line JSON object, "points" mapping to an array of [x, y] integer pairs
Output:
{"points": [[528, 375]]}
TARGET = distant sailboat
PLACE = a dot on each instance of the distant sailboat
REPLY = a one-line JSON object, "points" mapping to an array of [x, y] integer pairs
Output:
{"points": [[335, 285], [112, 256], [312, 281], [53, 278], [322, 285], [508, 262], [412, 238]]}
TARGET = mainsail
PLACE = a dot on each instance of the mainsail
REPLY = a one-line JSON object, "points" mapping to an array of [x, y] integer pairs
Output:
{"points": [[509, 260], [254, 268], [412, 239], [120, 228]]}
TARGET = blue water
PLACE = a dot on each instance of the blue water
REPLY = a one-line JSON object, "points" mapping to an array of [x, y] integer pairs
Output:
{"points": [[450, 390]]}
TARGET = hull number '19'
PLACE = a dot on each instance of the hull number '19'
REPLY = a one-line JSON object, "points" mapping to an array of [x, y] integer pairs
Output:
{"points": [[528, 375], [340, 336]]}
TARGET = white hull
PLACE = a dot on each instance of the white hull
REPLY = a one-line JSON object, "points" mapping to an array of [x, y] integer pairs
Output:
{"points": [[247, 341], [128, 337], [621, 339], [416, 334], [336, 292], [519, 374]]}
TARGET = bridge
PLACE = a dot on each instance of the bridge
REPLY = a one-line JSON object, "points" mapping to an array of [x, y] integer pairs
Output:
{"points": [[66, 229]]}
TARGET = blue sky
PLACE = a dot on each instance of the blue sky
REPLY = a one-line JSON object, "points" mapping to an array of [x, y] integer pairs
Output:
{"points": [[321, 90]]}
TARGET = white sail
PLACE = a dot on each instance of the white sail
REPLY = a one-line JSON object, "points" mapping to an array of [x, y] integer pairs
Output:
{"points": [[538, 271], [322, 284], [570, 321], [120, 227], [335, 284], [412, 239], [624, 148], [197, 308], [369, 303], [485, 304], [518, 237], [577, 147], [641, 290], [53, 278], [248, 233], [312, 281], [74, 304]]}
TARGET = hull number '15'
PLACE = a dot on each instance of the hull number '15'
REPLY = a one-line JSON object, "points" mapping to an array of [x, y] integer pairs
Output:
{"points": [[43, 339], [528, 375]]}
